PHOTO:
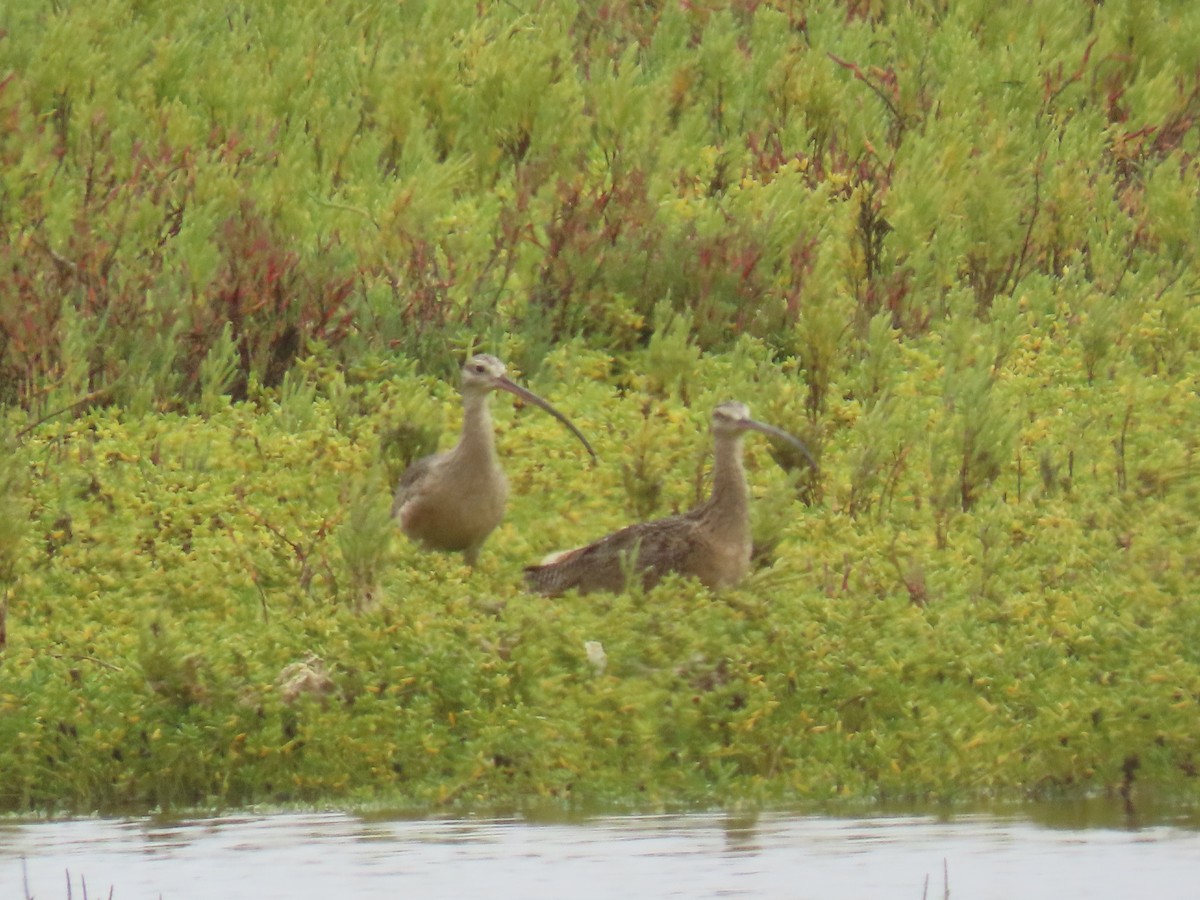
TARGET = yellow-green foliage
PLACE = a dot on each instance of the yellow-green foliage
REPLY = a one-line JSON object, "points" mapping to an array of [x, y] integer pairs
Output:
{"points": [[414, 175], [244, 246], [213, 609]]}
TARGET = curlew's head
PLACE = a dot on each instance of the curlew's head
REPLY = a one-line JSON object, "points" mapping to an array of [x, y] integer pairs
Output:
{"points": [[483, 373], [732, 419]]}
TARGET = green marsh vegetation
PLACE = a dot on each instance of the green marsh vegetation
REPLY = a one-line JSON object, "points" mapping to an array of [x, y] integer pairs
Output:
{"points": [[246, 246]]}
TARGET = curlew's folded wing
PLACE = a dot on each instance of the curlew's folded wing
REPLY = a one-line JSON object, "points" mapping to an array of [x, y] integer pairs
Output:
{"points": [[646, 551], [411, 478]]}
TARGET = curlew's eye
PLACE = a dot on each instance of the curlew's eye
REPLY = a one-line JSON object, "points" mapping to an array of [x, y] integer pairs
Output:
{"points": [[480, 368]]}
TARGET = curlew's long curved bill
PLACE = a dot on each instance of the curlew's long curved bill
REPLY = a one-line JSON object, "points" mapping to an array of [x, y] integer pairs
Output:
{"points": [[782, 435], [513, 388]]}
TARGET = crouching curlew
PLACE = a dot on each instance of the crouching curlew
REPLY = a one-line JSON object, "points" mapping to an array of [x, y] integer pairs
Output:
{"points": [[710, 542]]}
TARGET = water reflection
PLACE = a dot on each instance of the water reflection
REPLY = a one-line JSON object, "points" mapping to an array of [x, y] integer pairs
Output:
{"points": [[1053, 851]]}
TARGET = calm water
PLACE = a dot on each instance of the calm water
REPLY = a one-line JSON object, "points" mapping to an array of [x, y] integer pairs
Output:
{"points": [[1056, 853]]}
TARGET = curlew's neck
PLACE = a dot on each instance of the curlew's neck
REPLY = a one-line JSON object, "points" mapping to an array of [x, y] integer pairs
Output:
{"points": [[476, 443], [729, 506]]}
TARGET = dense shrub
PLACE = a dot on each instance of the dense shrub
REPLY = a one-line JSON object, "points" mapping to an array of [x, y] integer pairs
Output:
{"points": [[952, 247]]}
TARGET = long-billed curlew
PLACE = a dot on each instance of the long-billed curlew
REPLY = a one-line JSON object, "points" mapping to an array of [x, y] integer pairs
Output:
{"points": [[710, 542], [453, 500]]}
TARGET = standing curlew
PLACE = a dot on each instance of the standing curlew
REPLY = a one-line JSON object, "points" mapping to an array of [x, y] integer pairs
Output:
{"points": [[455, 499], [710, 542]]}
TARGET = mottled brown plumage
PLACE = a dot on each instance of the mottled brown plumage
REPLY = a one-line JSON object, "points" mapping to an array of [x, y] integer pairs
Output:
{"points": [[711, 542], [453, 500]]}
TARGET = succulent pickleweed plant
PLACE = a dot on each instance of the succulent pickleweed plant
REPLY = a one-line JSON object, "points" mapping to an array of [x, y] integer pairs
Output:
{"points": [[955, 253]]}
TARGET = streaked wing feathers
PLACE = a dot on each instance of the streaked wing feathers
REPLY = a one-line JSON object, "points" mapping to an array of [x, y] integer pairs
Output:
{"points": [[652, 549]]}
